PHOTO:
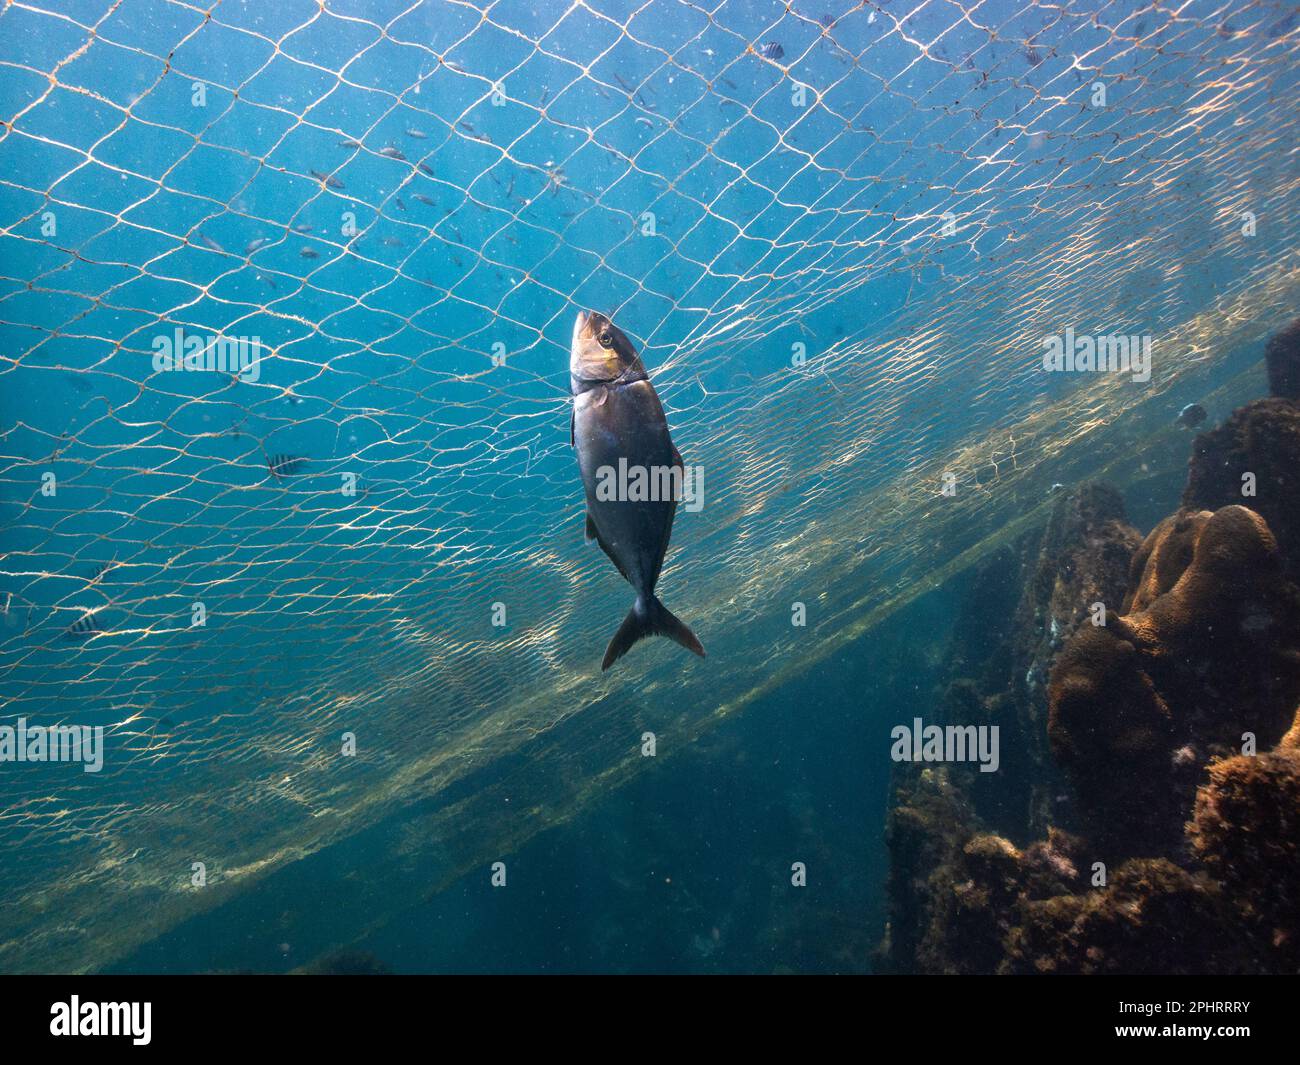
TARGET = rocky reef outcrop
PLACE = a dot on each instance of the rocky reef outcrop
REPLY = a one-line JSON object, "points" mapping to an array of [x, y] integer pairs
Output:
{"points": [[1017, 613], [1253, 458], [1207, 659], [1246, 832], [1282, 357], [1166, 731]]}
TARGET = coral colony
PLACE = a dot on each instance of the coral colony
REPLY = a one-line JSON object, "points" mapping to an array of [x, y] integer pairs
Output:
{"points": [[1155, 811]]}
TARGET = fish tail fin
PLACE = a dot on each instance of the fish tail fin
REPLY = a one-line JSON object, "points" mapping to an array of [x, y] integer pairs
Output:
{"points": [[652, 619]]}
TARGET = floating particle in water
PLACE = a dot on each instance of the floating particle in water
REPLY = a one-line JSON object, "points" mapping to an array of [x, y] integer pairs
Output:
{"points": [[772, 50], [285, 465], [1191, 416], [83, 628]]}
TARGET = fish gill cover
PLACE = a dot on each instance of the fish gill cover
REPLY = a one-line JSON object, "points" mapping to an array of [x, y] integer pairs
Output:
{"points": [[839, 256]]}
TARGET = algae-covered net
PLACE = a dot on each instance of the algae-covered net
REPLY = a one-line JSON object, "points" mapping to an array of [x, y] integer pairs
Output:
{"points": [[347, 576]]}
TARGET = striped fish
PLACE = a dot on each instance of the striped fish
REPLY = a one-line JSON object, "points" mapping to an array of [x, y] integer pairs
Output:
{"points": [[285, 465], [84, 627]]}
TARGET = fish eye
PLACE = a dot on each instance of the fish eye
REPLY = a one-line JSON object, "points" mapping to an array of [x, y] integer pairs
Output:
{"points": [[606, 340]]}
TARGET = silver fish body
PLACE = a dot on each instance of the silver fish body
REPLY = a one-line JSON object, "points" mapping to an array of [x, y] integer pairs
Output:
{"points": [[619, 427]]}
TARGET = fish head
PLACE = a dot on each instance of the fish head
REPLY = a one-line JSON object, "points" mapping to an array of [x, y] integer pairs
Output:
{"points": [[600, 350]]}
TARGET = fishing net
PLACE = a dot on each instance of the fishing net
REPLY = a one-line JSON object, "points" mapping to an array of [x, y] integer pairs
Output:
{"points": [[839, 233]]}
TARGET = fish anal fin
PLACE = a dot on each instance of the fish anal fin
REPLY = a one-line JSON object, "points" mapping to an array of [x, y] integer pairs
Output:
{"points": [[594, 534]]}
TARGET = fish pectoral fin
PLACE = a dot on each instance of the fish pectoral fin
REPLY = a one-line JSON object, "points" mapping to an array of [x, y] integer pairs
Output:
{"points": [[573, 428], [591, 528]]}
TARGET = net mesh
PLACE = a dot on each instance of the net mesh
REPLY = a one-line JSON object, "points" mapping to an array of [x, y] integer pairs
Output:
{"points": [[838, 233]]}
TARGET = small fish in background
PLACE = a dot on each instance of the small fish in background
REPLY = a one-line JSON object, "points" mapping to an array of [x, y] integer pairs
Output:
{"points": [[302, 227], [393, 153], [394, 242], [254, 245], [348, 142], [1032, 57], [416, 134], [827, 21], [282, 466], [400, 205], [328, 180], [426, 200], [772, 50], [1283, 25], [308, 253], [83, 628], [1191, 416], [212, 244], [101, 569], [267, 279], [424, 169]]}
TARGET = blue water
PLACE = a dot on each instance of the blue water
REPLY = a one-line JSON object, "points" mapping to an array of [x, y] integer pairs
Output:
{"points": [[339, 185]]}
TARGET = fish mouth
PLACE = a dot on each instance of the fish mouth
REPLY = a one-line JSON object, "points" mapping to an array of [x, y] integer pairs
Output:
{"points": [[580, 323]]}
